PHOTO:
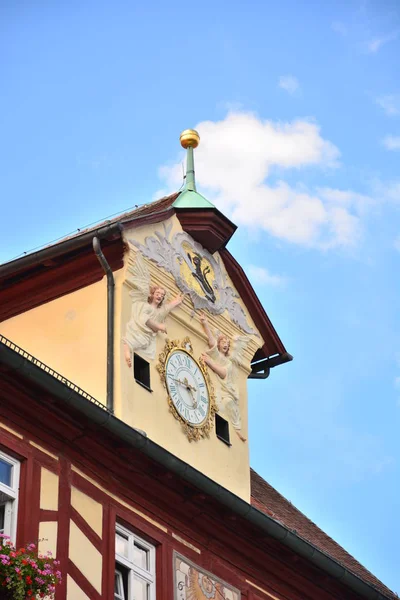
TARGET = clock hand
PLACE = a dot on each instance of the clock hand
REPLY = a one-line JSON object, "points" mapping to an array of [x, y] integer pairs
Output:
{"points": [[185, 383], [189, 387], [194, 399], [181, 382]]}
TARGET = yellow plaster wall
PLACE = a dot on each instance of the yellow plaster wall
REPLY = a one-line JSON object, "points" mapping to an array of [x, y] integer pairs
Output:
{"points": [[85, 556], [89, 509], [48, 537], [70, 335], [74, 592], [48, 490], [149, 411]]}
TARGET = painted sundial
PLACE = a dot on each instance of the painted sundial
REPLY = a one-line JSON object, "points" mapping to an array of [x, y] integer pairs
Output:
{"points": [[196, 273]]}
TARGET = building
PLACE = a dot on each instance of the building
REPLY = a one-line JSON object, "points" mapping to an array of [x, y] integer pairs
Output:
{"points": [[123, 417]]}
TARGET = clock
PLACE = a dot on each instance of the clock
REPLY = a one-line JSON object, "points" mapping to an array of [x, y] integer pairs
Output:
{"points": [[189, 391]]}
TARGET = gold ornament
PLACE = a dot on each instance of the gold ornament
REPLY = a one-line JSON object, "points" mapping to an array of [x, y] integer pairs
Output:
{"points": [[189, 138]]}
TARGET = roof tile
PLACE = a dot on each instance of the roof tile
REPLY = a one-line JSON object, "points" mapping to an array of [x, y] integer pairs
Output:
{"points": [[266, 499]]}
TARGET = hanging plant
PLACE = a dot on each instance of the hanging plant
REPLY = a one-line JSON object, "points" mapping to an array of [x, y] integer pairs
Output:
{"points": [[26, 574]]}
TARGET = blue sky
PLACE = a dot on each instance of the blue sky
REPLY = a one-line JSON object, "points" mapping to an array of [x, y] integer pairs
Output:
{"points": [[298, 107]]}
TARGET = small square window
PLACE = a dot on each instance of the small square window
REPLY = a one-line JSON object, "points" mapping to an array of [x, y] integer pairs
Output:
{"points": [[222, 429], [141, 371]]}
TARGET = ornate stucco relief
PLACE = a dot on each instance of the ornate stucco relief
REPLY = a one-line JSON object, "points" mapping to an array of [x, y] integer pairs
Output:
{"points": [[196, 273]]}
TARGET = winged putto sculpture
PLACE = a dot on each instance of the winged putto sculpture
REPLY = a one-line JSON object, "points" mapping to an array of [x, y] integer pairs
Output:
{"points": [[224, 359], [148, 311]]}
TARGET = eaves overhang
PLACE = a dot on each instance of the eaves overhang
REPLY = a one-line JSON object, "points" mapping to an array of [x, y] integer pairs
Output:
{"points": [[70, 395]]}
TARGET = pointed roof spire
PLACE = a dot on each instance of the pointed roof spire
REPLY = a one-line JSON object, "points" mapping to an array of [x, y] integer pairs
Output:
{"points": [[189, 197]]}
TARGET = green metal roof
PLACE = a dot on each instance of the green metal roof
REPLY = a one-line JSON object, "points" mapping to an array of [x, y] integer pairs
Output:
{"points": [[192, 199], [189, 197]]}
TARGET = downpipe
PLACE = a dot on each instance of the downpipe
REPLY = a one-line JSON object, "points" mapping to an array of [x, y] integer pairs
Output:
{"points": [[110, 322]]}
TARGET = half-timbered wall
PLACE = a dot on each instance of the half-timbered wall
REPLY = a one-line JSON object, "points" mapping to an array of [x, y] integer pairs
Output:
{"points": [[72, 504]]}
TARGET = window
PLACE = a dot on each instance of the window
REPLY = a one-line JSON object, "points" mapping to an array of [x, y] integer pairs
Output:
{"points": [[9, 483], [141, 371], [135, 567], [222, 429]]}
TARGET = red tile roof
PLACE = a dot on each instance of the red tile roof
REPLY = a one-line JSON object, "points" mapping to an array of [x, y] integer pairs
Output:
{"points": [[266, 499]]}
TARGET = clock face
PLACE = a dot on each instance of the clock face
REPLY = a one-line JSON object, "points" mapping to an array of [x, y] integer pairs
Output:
{"points": [[187, 387]]}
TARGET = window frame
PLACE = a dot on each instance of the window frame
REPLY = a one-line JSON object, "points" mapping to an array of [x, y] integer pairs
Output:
{"points": [[117, 594], [141, 371], [222, 429], [11, 492], [149, 576]]}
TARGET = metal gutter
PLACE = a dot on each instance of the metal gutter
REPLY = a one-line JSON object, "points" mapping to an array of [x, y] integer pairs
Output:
{"points": [[27, 366], [260, 369], [110, 322]]}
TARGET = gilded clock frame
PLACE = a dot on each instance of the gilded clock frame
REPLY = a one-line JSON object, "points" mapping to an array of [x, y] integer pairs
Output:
{"points": [[192, 432]]}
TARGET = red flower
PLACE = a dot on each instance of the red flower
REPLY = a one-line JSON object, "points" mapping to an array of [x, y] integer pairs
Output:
{"points": [[28, 579]]}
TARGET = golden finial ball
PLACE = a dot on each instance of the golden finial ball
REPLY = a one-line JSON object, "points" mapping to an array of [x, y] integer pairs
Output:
{"points": [[189, 138]]}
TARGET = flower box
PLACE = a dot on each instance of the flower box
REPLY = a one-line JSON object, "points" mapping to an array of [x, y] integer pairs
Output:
{"points": [[24, 573]]}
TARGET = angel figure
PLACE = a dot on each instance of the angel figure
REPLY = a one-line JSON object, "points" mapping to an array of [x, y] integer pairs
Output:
{"points": [[225, 363], [148, 313]]}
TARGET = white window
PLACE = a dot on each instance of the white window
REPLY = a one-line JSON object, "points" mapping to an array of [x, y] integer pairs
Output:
{"points": [[9, 484], [135, 567]]}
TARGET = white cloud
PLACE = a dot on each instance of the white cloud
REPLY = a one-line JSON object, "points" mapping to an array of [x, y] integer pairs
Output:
{"points": [[390, 104], [388, 191], [289, 83], [347, 199], [375, 44], [391, 142], [238, 154], [261, 275]]}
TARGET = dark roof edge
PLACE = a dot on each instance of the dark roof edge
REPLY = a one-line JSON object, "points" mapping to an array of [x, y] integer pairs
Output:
{"points": [[137, 440], [72, 243]]}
